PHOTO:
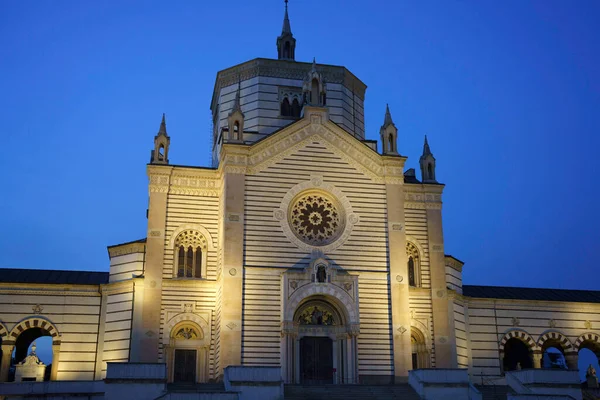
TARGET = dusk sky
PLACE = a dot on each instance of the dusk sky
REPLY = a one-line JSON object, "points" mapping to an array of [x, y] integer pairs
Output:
{"points": [[507, 92]]}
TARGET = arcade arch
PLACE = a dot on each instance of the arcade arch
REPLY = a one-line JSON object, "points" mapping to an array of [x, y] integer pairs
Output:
{"points": [[518, 350]]}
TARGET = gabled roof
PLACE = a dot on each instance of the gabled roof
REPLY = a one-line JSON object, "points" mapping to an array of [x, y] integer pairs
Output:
{"points": [[18, 275], [517, 293]]}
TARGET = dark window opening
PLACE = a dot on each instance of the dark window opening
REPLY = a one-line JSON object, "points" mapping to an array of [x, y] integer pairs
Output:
{"points": [[286, 110], [411, 272], [296, 109]]}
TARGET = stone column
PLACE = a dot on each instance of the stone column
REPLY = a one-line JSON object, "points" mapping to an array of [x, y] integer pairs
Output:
{"points": [[55, 361], [537, 359], [7, 349], [334, 347], [234, 181], [443, 332], [148, 331], [296, 360], [398, 278], [572, 360]]}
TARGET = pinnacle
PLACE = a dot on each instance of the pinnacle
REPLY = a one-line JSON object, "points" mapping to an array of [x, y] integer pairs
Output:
{"points": [[163, 126], [426, 149], [388, 116]]}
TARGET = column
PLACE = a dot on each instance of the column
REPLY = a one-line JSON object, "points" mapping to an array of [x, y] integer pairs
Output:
{"points": [[7, 349], [55, 360], [572, 360], [336, 357], [297, 360], [537, 359]]}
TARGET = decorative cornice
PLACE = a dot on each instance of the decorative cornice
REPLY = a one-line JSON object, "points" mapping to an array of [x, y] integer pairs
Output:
{"points": [[187, 283], [125, 249], [182, 180], [44, 289], [425, 200]]}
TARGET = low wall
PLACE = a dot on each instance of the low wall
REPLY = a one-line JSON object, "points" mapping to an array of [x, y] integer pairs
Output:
{"points": [[433, 384], [254, 383], [90, 389], [135, 381], [555, 382]]}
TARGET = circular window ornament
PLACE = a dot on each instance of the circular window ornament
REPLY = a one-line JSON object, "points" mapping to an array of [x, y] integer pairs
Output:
{"points": [[316, 218]]}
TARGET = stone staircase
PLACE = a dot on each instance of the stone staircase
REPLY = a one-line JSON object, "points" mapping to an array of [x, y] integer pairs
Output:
{"points": [[350, 392]]}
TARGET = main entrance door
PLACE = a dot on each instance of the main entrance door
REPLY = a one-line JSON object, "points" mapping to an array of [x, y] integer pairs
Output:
{"points": [[316, 360], [185, 366]]}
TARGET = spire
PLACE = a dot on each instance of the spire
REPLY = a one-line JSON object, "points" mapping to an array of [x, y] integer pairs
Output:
{"points": [[236, 102], [286, 44], [314, 65], [426, 149], [388, 116], [286, 29], [163, 127]]}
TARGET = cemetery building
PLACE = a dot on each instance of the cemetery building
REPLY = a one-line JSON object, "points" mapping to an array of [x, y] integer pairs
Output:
{"points": [[304, 246]]}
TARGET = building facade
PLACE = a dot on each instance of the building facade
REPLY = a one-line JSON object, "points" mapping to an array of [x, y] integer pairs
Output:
{"points": [[301, 247]]}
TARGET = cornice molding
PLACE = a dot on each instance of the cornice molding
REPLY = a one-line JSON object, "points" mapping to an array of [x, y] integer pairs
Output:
{"points": [[181, 180], [60, 290], [424, 200], [126, 249], [125, 286]]}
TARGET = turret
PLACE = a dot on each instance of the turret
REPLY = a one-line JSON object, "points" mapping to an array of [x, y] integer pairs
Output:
{"points": [[389, 134], [286, 44], [235, 120], [427, 162], [160, 154], [314, 89]]}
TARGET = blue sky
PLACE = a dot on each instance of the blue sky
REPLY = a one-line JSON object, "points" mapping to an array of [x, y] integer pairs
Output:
{"points": [[507, 92]]}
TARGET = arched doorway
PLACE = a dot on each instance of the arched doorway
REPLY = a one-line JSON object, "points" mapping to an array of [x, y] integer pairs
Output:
{"points": [[420, 353], [517, 355], [25, 333], [319, 343], [187, 349]]}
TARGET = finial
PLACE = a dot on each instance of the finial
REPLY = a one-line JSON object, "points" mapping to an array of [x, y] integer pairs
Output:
{"points": [[33, 348], [388, 116], [426, 149], [314, 65], [163, 126]]}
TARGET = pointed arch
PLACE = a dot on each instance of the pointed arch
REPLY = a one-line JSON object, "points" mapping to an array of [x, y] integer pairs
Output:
{"points": [[520, 335], [36, 322], [186, 318], [337, 296], [413, 258], [553, 337]]}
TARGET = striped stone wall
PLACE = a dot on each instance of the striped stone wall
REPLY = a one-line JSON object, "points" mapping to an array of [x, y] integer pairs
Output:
{"points": [[73, 309]]}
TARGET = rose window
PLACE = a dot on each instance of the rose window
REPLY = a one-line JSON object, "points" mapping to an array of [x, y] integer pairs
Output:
{"points": [[315, 219]]}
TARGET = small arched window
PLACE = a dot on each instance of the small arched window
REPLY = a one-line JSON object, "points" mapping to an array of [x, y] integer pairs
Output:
{"points": [[414, 265], [314, 92], [391, 140], [190, 250], [236, 130], [430, 171], [285, 108], [161, 152], [287, 50], [296, 108]]}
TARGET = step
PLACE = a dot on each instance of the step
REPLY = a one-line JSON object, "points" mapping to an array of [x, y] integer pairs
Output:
{"points": [[350, 392]]}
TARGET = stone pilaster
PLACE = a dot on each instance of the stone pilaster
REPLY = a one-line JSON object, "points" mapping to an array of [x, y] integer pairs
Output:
{"points": [[232, 239], [101, 332], [137, 328], [443, 317], [7, 350], [55, 361], [398, 278], [159, 177]]}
